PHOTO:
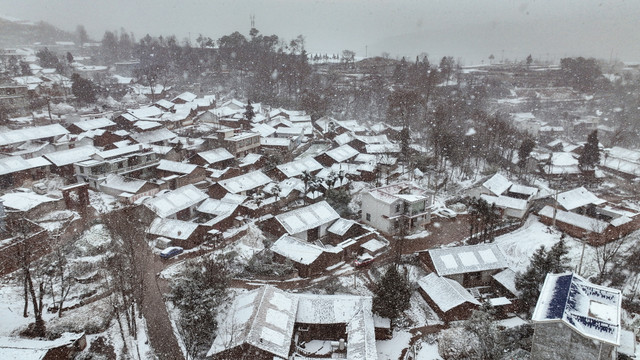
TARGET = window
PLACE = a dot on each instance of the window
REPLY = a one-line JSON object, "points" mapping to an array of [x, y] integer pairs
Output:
{"points": [[398, 207], [368, 217]]}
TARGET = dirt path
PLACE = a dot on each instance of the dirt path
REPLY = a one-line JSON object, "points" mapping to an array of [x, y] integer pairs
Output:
{"points": [[160, 331]]}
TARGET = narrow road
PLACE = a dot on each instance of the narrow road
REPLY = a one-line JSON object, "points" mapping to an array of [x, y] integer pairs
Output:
{"points": [[160, 331]]}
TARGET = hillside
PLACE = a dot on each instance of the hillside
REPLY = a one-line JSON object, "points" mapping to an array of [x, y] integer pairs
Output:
{"points": [[14, 32]]}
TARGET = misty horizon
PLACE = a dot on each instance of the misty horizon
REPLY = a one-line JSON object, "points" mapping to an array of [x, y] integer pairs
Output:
{"points": [[469, 31]]}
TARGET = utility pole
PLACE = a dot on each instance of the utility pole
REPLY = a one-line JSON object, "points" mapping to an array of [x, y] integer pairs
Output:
{"points": [[555, 209]]}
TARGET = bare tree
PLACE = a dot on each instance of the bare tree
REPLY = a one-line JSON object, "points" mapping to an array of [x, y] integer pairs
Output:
{"points": [[59, 277], [607, 251], [25, 232], [126, 265]]}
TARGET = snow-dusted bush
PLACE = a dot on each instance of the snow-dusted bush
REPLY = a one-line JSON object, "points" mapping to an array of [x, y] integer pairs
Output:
{"points": [[456, 343]]}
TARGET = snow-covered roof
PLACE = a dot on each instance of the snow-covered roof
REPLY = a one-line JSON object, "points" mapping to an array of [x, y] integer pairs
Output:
{"points": [[507, 278], [249, 159], [445, 293], [373, 245], [505, 202], [93, 124], [146, 125], [121, 183], [390, 193], [284, 142], [13, 164], [571, 218], [263, 318], [70, 156], [354, 311], [185, 96], [342, 153], [216, 155], [245, 182], [121, 151], [296, 250], [31, 133], [382, 148], [341, 226], [524, 190], [165, 104], [297, 167], [217, 207], [497, 184], [591, 310], [466, 259], [24, 201], [146, 112], [173, 229], [308, 217], [15, 348], [176, 167], [153, 136], [344, 138], [264, 130], [578, 197], [171, 202]]}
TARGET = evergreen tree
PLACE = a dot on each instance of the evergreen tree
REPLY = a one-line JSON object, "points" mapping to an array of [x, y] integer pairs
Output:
{"points": [[248, 111], [542, 263], [392, 294], [590, 156], [83, 89], [529, 60], [197, 294], [524, 151]]}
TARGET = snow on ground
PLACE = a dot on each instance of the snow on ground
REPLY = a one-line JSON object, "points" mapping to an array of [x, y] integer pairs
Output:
{"points": [[102, 202], [419, 312], [391, 349], [427, 351], [419, 235], [518, 246]]}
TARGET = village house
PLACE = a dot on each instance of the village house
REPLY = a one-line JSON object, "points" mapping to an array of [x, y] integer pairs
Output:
{"points": [[463, 277], [48, 134], [341, 154], [470, 266], [513, 200], [63, 161], [180, 204], [91, 124], [185, 234], [64, 347], [575, 319], [296, 168], [308, 223], [16, 171], [126, 189], [580, 213], [447, 297], [269, 323], [389, 207], [219, 158], [218, 214], [238, 144], [178, 174], [622, 162], [245, 184], [133, 160]]}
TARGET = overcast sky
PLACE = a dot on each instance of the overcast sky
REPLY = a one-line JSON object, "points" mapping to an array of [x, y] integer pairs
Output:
{"points": [[469, 30]]}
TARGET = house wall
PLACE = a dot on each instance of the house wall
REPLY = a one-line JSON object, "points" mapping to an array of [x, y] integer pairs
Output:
{"points": [[243, 351], [461, 312], [378, 210], [555, 340]]}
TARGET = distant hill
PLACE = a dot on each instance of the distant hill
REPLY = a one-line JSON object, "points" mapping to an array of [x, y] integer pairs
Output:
{"points": [[14, 32]]}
